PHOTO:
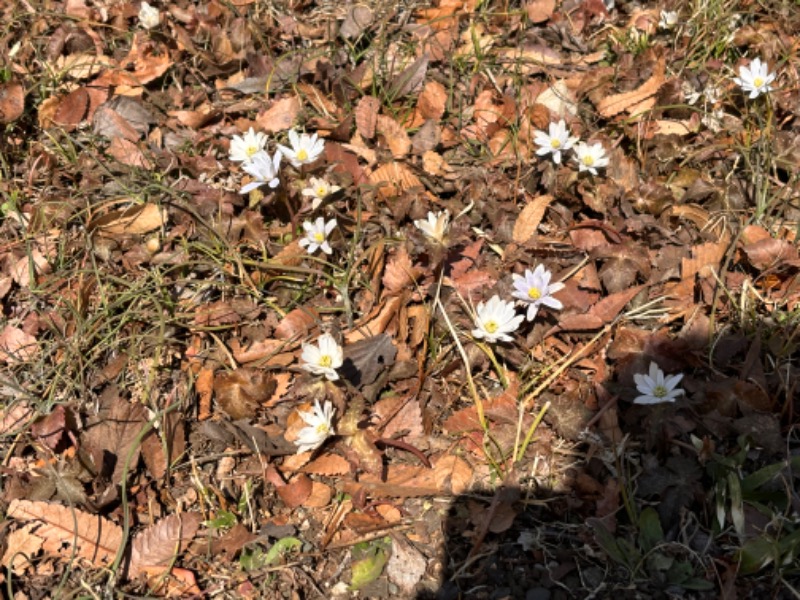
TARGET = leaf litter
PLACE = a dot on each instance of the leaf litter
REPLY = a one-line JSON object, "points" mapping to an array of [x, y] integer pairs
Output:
{"points": [[155, 318]]}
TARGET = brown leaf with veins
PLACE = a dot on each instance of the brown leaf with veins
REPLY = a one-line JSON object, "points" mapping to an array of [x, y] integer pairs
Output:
{"points": [[159, 544], [367, 116], [16, 346], [400, 273], [69, 532], [636, 101], [394, 135], [530, 217]]}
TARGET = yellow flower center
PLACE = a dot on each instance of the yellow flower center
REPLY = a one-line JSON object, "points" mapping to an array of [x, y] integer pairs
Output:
{"points": [[325, 360], [323, 429], [588, 160], [660, 391], [302, 154], [555, 143], [534, 293], [491, 326], [251, 150], [319, 238], [321, 191], [758, 82]]}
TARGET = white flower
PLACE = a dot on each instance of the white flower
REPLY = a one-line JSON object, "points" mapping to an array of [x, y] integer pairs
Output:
{"points": [[319, 427], [244, 148], [319, 190], [436, 226], [324, 358], [535, 290], [557, 141], [755, 79], [317, 235], [668, 20], [590, 158], [263, 169], [495, 320], [305, 148], [149, 16], [655, 387]]}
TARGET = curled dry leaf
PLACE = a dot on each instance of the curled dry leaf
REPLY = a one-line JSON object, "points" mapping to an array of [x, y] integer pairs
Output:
{"points": [[69, 532], [297, 324], [240, 393]]}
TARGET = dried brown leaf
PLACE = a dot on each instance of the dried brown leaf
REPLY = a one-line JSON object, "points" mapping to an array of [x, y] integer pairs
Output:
{"points": [[69, 532], [297, 324], [410, 80], [114, 432], [530, 217], [155, 548], [328, 465], [204, 387], [16, 345], [367, 116], [392, 179], [12, 101], [240, 393], [394, 135], [540, 11], [296, 492], [22, 546], [432, 101], [134, 220], [72, 109], [280, 116], [636, 101], [399, 274]]}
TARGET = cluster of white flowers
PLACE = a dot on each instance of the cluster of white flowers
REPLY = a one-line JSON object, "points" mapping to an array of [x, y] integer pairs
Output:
{"points": [[557, 140], [496, 319], [322, 359], [250, 150]]}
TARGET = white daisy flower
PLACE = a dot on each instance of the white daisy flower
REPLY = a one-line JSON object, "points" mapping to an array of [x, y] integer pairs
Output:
{"points": [[149, 16], [436, 226], [264, 170], [668, 20], [755, 79], [590, 158], [535, 290], [244, 147], [324, 358], [317, 235], [495, 320], [655, 388], [305, 148], [319, 427], [319, 189], [555, 142]]}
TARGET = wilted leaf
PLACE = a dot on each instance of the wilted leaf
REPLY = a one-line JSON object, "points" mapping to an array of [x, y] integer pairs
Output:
{"points": [[51, 428], [68, 531], [159, 545]]}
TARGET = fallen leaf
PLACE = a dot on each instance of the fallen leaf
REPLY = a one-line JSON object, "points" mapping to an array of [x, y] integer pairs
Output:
{"points": [[12, 101], [204, 386], [540, 11], [22, 546], [16, 346], [530, 217], [366, 114], [69, 532], [432, 100], [72, 109], [240, 393], [394, 135], [636, 101], [392, 179], [399, 274], [297, 324], [296, 492], [135, 220], [280, 116], [155, 548]]}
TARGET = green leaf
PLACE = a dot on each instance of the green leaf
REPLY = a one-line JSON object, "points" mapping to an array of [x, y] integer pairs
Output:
{"points": [[370, 567], [607, 541], [650, 532], [757, 554], [224, 520], [281, 547]]}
